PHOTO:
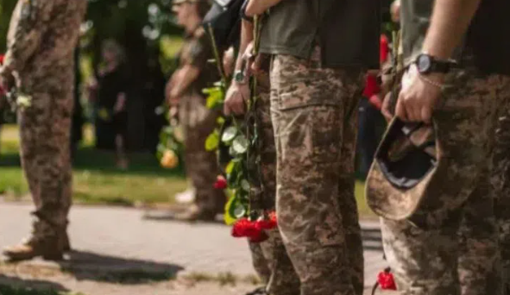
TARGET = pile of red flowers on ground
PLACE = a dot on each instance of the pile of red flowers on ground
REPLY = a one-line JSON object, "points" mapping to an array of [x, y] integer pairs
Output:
{"points": [[254, 230]]}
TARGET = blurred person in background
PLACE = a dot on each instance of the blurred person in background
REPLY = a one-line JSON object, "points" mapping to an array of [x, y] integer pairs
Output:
{"points": [[108, 93], [185, 91]]}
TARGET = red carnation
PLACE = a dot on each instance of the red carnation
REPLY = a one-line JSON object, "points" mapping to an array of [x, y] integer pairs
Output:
{"points": [[371, 86], [386, 280], [221, 183], [2, 59]]}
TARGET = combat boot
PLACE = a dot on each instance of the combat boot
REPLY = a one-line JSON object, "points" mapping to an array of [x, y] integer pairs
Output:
{"points": [[64, 239], [195, 213], [258, 291], [49, 248], [44, 242]]}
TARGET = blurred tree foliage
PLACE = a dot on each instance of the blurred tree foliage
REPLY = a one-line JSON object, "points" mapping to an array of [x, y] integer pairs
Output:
{"points": [[141, 27]]}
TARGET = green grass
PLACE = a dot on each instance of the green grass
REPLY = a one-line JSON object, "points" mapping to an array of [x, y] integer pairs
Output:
{"points": [[96, 180]]}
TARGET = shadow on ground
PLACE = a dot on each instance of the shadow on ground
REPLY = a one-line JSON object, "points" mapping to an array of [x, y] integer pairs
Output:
{"points": [[17, 286], [97, 267]]}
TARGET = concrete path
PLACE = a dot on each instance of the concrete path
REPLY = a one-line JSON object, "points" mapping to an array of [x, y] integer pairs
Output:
{"points": [[118, 251]]}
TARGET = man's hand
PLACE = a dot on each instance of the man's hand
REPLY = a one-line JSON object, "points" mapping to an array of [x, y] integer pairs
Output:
{"points": [[385, 109], [258, 7], [418, 98], [236, 99]]}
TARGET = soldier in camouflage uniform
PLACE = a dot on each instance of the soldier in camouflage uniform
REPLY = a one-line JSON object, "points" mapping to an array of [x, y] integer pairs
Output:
{"points": [[471, 261], [452, 237], [41, 42], [501, 183], [315, 83], [185, 87], [270, 259]]}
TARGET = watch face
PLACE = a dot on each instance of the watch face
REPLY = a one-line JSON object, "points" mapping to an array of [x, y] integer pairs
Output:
{"points": [[424, 63], [239, 77]]}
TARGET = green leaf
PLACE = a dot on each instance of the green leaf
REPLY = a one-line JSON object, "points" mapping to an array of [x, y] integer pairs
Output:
{"points": [[230, 167], [240, 144], [212, 142], [215, 97], [239, 211], [229, 134], [229, 216], [245, 185], [232, 152]]}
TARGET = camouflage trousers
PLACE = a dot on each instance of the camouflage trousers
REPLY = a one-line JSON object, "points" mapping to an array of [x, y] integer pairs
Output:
{"points": [[314, 114], [201, 166], [500, 181], [270, 258], [453, 238], [45, 152]]}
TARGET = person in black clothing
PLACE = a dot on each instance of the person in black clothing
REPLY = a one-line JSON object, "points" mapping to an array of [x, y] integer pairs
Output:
{"points": [[109, 90]]}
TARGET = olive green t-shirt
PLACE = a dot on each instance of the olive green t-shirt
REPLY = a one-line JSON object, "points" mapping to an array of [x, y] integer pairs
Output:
{"points": [[347, 31], [196, 51], [485, 46]]}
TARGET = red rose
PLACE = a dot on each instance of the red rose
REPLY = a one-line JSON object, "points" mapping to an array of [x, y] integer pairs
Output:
{"points": [[240, 228], [2, 59], [221, 183], [260, 237], [249, 229], [386, 280], [267, 224], [264, 224], [371, 86]]}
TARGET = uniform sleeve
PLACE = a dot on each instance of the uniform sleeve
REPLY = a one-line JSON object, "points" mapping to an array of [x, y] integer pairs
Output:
{"points": [[25, 31], [200, 51]]}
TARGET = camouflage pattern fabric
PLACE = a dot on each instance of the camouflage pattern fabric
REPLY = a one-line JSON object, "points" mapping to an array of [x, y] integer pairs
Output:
{"points": [[198, 122], [471, 261], [270, 258], [426, 251], [41, 42], [314, 114], [201, 166]]}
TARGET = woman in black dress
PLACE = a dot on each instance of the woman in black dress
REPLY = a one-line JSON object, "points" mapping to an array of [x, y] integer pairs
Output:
{"points": [[111, 115]]}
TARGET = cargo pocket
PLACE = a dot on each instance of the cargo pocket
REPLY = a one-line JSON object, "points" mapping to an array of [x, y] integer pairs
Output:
{"points": [[326, 133]]}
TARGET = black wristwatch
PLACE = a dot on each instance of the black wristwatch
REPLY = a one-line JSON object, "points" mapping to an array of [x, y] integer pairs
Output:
{"points": [[427, 64], [243, 12]]}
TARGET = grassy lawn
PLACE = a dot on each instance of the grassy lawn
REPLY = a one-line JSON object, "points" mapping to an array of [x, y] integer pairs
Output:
{"points": [[97, 181]]}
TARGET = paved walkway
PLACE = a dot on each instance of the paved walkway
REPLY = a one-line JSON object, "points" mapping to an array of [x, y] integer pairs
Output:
{"points": [[118, 251]]}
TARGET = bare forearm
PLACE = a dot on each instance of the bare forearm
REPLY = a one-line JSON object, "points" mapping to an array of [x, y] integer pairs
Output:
{"points": [[246, 38], [257, 7], [449, 23], [186, 76]]}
